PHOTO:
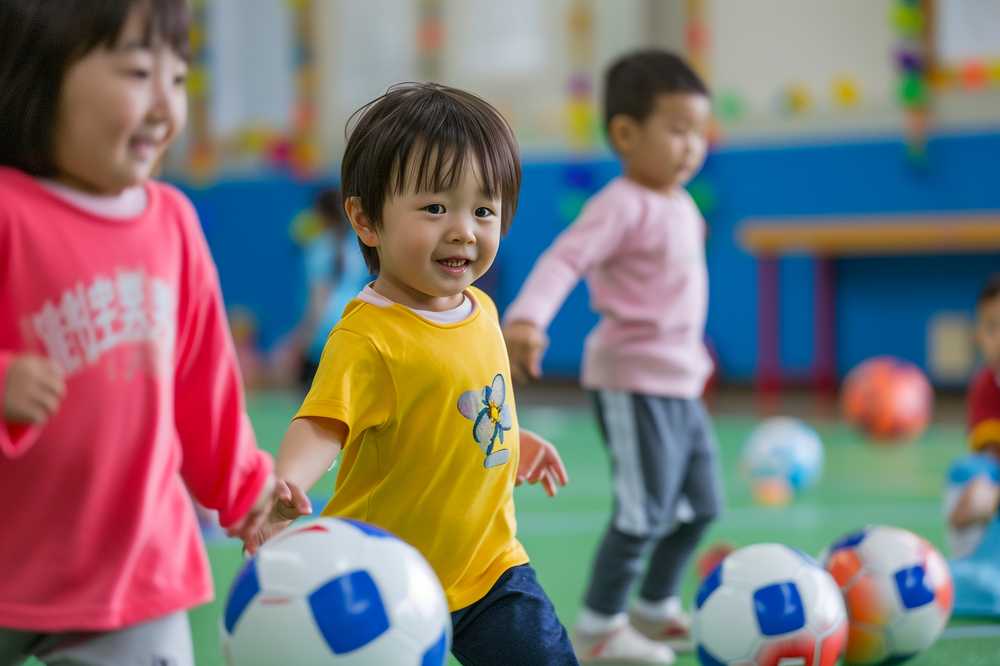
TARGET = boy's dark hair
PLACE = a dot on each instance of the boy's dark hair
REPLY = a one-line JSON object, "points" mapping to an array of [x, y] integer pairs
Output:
{"points": [[632, 83], [424, 133], [990, 291], [40, 40]]}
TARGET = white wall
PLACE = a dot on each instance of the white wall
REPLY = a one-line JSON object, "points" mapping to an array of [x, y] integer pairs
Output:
{"points": [[761, 46], [362, 48], [516, 53]]}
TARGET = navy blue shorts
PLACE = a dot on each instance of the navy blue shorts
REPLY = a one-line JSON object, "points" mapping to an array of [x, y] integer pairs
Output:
{"points": [[514, 624]]}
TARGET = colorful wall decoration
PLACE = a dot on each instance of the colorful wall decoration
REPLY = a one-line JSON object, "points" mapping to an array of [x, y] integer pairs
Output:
{"points": [[966, 50], [202, 158], [431, 35], [581, 113], [304, 156], [696, 36], [845, 92], [294, 148], [909, 21]]}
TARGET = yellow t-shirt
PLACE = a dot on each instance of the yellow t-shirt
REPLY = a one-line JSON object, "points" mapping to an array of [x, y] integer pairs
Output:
{"points": [[432, 449]]}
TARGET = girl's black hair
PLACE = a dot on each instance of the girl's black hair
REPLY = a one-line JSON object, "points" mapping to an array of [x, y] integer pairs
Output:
{"points": [[40, 40]]}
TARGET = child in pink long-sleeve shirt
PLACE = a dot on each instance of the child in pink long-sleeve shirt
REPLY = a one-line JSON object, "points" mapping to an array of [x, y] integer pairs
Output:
{"points": [[639, 243], [119, 384]]}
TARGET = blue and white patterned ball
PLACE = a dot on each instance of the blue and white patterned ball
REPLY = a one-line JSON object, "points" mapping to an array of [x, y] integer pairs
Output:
{"points": [[784, 448], [769, 605], [897, 589], [337, 592]]}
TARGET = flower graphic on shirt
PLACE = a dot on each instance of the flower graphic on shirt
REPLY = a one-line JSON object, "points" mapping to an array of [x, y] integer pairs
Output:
{"points": [[490, 416]]}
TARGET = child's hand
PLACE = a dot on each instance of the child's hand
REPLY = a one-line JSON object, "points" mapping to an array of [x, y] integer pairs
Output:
{"points": [[525, 345], [279, 504], [983, 496], [33, 390], [540, 462], [977, 503]]}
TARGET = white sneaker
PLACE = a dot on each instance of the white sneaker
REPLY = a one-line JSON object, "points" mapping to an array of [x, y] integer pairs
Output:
{"points": [[621, 645], [674, 629]]}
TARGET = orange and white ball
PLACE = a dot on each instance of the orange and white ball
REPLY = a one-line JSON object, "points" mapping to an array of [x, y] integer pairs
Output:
{"points": [[897, 589], [890, 400]]}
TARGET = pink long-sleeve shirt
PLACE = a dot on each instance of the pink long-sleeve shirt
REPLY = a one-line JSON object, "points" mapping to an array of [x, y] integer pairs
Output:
{"points": [[98, 530], [642, 254]]}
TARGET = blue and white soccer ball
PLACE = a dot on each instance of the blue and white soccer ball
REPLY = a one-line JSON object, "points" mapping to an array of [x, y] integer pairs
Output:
{"points": [[784, 448], [337, 592], [769, 605]]}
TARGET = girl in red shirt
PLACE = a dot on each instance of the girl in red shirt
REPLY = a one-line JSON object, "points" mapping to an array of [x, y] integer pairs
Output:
{"points": [[120, 388]]}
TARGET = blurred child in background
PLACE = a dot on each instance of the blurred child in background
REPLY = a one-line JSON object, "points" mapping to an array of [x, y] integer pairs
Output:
{"points": [[974, 481], [414, 382], [119, 381], [640, 244], [335, 273]]}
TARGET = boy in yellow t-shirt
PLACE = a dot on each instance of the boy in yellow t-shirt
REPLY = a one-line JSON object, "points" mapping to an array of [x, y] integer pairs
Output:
{"points": [[414, 381]]}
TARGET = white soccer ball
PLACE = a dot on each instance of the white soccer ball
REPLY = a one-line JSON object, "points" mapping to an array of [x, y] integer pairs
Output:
{"points": [[337, 592], [784, 448], [769, 605], [897, 589]]}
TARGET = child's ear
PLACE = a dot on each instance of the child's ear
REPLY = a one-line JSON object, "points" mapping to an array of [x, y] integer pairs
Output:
{"points": [[622, 131], [360, 221]]}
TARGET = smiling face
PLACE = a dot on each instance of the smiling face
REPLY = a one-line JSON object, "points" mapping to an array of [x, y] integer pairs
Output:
{"points": [[119, 108], [433, 245], [667, 148]]}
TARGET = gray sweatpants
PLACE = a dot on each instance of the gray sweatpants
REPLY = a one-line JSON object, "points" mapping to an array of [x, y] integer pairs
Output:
{"points": [[165, 641], [667, 491]]}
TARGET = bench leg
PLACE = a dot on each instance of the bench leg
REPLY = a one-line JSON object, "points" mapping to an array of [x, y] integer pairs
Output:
{"points": [[825, 333], [768, 378]]}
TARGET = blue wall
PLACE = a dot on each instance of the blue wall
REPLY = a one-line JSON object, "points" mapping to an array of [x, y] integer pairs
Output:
{"points": [[883, 303], [247, 225]]}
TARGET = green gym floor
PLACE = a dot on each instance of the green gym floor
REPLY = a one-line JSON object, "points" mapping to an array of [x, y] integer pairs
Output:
{"points": [[861, 484]]}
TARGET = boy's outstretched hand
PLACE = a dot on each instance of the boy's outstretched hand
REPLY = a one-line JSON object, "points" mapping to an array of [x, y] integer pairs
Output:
{"points": [[525, 345], [540, 462], [279, 504]]}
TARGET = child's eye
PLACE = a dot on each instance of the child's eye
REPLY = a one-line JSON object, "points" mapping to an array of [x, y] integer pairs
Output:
{"points": [[180, 79], [434, 209], [139, 73], [483, 211]]}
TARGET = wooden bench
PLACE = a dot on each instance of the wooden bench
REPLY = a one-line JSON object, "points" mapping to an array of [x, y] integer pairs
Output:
{"points": [[828, 238]]}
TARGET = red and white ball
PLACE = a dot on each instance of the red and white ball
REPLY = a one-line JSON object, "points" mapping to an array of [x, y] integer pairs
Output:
{"points": [[888, 399]]}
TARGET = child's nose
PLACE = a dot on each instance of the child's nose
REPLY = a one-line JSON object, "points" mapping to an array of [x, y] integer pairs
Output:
{"points": [[463, 230], [164, 94]]}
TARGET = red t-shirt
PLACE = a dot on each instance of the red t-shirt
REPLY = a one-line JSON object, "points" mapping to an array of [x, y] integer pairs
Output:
{"points": [[984, 409], [98, 530]]}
